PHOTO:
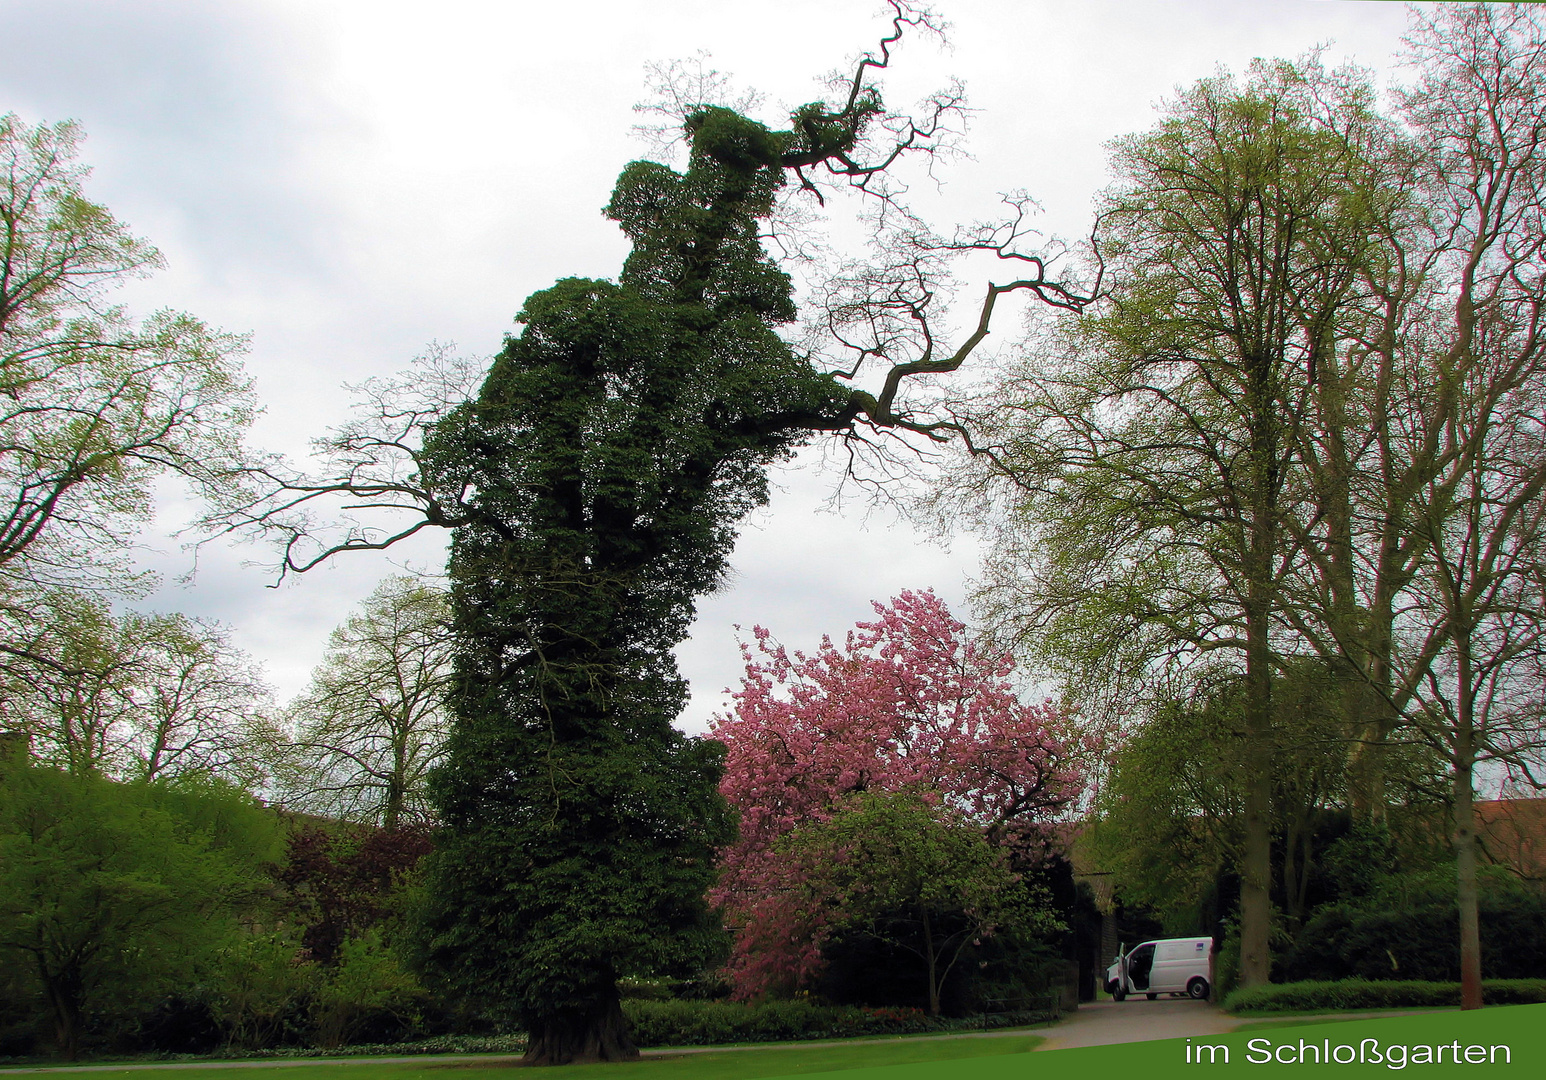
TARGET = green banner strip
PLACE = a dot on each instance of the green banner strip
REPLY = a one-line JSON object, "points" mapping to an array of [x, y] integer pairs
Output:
{"points": [[1511, 1038]]}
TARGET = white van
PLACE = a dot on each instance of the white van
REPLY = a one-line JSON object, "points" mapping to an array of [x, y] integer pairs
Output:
{"points": [[1168, 966]]}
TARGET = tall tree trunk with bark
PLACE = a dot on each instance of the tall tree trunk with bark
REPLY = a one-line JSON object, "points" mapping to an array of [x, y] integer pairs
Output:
{"points": [[1262, 398], [1465, 862]]}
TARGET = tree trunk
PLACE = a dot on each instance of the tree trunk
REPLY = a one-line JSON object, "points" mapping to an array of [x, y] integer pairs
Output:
{"points": [[1256, 858], [1465, 838], [928, 952], [1256, 868], [1306, 867], [392, 808], [1290, 878], [1465, 866], [1350, 661], [62, 991], [1297, 856], [599, 1036], [1262, 544], [1368, 796], [1366, 764]]}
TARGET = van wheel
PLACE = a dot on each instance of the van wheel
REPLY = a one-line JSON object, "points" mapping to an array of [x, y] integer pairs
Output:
{"points": [[1197, 989], [1151, 997], [1119, 995]]}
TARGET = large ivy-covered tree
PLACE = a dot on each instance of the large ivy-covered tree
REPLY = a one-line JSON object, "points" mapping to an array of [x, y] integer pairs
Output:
{"points": [[618, 440], [594, 484]]}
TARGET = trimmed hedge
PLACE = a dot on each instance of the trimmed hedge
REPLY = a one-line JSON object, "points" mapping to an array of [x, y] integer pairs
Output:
{"points": [[1378, 994], [443, 1044], [1396, 940], [707, 1023], [660, 1023]]}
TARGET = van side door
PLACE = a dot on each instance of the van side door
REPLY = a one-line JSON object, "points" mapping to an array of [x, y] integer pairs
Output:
{"points": [[1139, 964], [1170, 959], [1176, 963]]}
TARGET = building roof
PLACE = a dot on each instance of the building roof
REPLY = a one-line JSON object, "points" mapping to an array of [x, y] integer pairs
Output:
{"points": [[1513, 833]]}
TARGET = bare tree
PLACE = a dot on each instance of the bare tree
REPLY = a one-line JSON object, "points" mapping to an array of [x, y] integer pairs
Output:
{"points": [[138, 696], [65, 681], [373, 722], [198, 704], [1468, 657]]}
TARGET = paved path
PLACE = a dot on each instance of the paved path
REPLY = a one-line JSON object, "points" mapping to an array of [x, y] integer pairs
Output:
{"points": [[1101, 1023]]}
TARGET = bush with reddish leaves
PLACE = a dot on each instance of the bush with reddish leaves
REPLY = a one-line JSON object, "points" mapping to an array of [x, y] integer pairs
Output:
{"points": [[340, 884]]}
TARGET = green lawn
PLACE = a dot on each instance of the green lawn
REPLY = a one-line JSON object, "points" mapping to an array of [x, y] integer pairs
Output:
{"points": [[1260, 1021], [782, 1059]]}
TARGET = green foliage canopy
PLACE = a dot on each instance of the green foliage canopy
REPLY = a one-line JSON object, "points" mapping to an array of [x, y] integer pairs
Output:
{"points": [[107, 890], [96, 405], [906, 871]]}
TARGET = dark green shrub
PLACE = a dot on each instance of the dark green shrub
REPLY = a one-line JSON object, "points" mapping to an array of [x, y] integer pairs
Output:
{"points": [[21, 1009], [1419, 940], [367, 996], [1346, 942], [178, 1025], [1378, 994], [1226, 965], [1359, 862], [644, 989], [703, 1023]]}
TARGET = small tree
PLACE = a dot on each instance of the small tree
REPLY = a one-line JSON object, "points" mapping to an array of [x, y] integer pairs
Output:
{"points": [[905, 870], [908, 704], [341, 886], [106, 887]]}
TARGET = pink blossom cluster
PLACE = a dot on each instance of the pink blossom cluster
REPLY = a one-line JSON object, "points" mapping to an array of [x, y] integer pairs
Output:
{"points": [[908, 703]]}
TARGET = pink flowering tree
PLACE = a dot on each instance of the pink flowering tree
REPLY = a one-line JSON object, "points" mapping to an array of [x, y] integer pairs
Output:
{"points": [[908, 704]]}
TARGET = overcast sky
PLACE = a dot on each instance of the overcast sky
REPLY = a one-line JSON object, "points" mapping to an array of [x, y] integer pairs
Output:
{"points": [[348, 180]]}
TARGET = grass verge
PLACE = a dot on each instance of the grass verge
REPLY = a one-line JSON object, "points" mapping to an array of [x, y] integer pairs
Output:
{"points": [[784, 1059], [1348, 994], [1311, 1018]]}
